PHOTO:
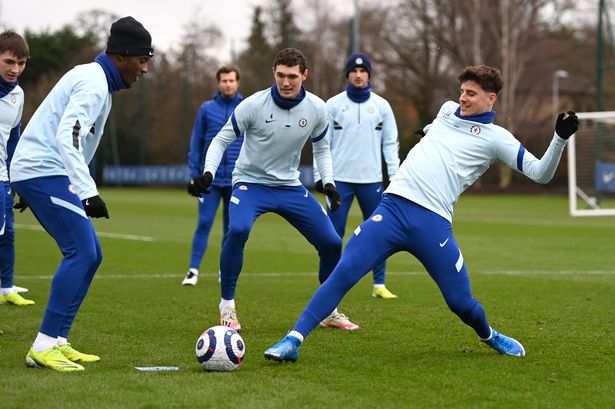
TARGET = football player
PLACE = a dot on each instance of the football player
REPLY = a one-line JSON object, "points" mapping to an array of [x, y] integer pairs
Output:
{"points": [[416, 212], [276, 123]]}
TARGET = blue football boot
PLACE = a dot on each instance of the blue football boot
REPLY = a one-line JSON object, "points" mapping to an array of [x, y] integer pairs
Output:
{"points": [[285, 350], [505, 345]]}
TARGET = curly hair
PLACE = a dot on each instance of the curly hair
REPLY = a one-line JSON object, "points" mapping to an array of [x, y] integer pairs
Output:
{"points": [[489, 78]]}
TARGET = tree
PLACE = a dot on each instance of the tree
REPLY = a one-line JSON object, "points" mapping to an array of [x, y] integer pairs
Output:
{"points": [[256, 60], [285, 32], [169, 98], [412, 64], [324, 44], [96, 23], [51, 53], [429, 42]]}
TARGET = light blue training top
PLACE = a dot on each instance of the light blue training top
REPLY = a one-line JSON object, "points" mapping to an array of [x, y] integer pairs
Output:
{"points": [[273, 140], [63, 134], [11, 109], [456, 151], [360, 134]]}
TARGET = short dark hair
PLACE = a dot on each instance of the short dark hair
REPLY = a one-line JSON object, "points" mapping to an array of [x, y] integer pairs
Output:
{"points": [[291, 57], [225, 69], [11, 41], [489, 78]]}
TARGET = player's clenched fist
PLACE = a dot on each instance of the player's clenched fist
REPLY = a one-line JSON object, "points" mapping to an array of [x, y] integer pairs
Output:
{"points": [[566, 124]]}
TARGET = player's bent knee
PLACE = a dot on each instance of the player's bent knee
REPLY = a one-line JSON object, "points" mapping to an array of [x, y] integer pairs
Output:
{"points": [[238, 233], [88, 256], [202, 228], [332, 244], [98, 258]]}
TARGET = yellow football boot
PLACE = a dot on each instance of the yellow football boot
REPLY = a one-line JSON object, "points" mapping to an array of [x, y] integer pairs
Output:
{"points": [[76, 356], [51, 358], [16, 299]]}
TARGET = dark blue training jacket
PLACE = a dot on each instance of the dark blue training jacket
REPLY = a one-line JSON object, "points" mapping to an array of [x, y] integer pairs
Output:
{"points": [[211, 117]]}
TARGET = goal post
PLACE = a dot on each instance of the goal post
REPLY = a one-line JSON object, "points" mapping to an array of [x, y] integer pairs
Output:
{"points": [[591, 165]]}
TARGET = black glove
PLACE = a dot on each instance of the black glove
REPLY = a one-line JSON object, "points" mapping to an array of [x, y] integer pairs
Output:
{"points": [[95, 207], [419, 131], [319, 186], [333, 195], [192, 189], [21, 205], [565, 127], [202, 183]]}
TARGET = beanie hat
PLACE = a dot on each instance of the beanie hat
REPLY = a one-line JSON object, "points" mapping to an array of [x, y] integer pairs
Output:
{"points": [[129, 37], [358, 60]]}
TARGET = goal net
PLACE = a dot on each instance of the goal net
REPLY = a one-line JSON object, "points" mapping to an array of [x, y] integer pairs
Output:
{"points": [[591, 165]]}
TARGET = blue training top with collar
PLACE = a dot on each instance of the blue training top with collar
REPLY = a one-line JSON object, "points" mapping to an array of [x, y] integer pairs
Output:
{"points": [[212, 116]]}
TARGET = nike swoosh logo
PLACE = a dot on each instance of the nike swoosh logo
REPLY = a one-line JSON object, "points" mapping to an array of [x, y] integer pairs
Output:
{"points": [[267, 121], [443, 243], [306, 193], [87, 202], [608, 177], [378, 190]]}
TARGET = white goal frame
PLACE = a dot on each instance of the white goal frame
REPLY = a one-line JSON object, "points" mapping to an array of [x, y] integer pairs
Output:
{"points": [[574, 192]]}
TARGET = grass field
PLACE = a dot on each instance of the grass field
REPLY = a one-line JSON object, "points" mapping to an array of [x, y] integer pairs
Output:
{"points": [[545, 278]]}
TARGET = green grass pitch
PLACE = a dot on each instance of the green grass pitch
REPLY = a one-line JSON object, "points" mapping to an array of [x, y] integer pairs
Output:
{"points": [[543, 277]]}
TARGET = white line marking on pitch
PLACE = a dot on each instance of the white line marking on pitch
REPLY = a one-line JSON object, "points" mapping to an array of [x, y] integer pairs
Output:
{"points": [[99, 233], [289, 274]]}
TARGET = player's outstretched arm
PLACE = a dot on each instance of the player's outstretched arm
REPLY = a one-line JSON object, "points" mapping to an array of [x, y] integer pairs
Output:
{"points": [[542, 170]]}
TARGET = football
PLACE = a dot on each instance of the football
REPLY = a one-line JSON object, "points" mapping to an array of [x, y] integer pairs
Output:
{"points": [[220, 349]]}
